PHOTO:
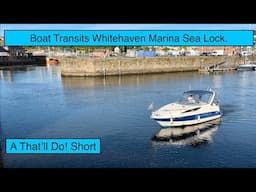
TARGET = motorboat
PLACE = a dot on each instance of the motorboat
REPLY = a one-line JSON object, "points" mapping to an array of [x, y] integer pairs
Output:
{"points": [[194, 107], [52, 61], [246, 67]]}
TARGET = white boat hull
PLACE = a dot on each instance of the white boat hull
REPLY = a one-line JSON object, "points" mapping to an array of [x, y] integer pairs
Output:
{"points": [[247, 67]]}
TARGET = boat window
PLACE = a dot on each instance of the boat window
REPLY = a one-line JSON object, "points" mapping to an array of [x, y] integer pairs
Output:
{"points": [[195, 98]]}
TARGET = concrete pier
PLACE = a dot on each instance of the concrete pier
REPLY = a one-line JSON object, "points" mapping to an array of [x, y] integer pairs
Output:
{"points": [[79, 66]]}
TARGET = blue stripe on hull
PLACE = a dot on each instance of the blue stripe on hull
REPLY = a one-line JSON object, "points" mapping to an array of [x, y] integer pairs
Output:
{"points": [[192, 117]]}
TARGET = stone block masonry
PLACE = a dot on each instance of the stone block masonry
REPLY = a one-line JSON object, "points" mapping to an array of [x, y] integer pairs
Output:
{"points": [[79, 66]]}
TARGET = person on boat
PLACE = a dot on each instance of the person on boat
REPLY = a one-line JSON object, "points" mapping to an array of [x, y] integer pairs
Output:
{"points": [[191, 99]]}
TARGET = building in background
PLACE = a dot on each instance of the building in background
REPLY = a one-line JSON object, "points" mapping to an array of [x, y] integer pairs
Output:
{"points": [[1, 41], [99, 53], [3, 51]]}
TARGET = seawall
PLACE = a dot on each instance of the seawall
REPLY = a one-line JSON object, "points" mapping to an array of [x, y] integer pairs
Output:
{"points": [[22, 60], [79, 66]]}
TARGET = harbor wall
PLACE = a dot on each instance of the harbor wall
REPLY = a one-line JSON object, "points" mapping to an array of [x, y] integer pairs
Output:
{"points": [[22, 60], [79, 66]]}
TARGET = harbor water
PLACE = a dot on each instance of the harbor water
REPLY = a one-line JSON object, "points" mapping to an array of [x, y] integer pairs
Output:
{"points": [[37, 102]]}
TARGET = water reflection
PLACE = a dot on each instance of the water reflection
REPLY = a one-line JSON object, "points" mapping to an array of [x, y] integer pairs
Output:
{"points": [[1, 158], [188, 135], [30, 73], [53, 72], [134, 80], [6, 76]]}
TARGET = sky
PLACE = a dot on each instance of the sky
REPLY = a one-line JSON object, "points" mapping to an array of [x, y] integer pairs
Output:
{"points": [[126, 27]]}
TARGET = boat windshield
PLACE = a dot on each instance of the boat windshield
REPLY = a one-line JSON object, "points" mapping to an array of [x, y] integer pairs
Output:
{"points": [[196, 97]]}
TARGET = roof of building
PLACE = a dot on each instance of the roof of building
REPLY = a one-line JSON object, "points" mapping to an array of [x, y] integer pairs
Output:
{"points": [[99, 50]]}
